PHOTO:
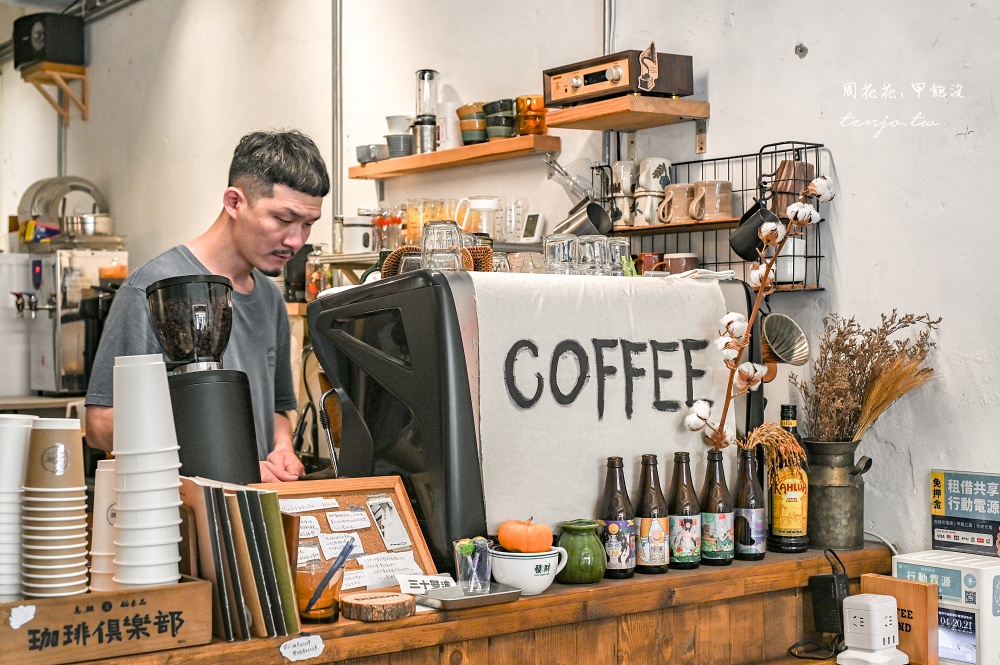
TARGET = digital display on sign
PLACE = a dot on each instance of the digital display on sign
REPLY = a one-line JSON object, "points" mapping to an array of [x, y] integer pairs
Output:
{"points": [[957, 635]]}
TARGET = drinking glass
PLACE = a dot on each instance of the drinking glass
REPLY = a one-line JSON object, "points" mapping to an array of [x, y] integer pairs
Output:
{"points": [[592, 255], [409, 261], [500, 262], [560, 252], [441, 246], [619, 258], [526, 262], [417, 214]]}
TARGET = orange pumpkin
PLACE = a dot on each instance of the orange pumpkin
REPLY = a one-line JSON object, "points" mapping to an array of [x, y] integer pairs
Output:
{"points": [[517, 536]]}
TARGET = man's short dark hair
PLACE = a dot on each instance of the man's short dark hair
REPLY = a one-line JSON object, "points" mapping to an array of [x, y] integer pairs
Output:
{"points": [[265, 159]]}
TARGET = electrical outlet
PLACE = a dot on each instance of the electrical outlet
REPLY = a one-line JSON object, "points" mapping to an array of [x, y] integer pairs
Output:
{"points": [[870, 631]]}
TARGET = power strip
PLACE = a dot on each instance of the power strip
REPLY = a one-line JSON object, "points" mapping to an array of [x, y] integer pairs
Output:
{"points": [[828, 594]]}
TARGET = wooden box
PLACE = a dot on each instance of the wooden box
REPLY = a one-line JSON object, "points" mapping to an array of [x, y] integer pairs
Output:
{"points": [[49, 631]]}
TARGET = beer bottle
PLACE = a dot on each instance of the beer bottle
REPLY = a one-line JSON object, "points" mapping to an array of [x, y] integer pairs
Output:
{"points": [[716, 514], [789, 498], [618, 520], [750, 519], [651, 552], [684, 516]]}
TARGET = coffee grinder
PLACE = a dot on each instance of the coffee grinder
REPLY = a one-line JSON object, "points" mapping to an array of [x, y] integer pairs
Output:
{"points": [[213, 411]]}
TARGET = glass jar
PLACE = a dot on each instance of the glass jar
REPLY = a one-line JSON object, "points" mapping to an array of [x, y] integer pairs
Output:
{"points": [[317, 276]]}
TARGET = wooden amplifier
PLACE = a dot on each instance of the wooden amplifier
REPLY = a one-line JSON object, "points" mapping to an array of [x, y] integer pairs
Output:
{"points": [[627, 72]]}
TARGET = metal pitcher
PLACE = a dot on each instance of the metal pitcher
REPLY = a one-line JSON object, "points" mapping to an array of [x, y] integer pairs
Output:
{"points": [[836, 517]]}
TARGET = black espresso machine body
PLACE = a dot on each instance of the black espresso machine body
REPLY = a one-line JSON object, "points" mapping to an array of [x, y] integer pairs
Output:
{"points": [[402, 356], [405, 397]]}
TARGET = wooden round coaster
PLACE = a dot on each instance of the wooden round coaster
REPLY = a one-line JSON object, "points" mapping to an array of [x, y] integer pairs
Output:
{"points": [[377, 605]]}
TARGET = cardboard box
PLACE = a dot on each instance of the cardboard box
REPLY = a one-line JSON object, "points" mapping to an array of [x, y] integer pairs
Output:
{"points": [[50, 631], [965, 512]]}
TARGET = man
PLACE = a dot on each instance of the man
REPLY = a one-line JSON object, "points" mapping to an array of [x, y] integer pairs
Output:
{"points": [[277, 181]]}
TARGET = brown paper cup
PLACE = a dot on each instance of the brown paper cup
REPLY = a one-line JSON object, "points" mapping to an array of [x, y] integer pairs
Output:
{"points": [[55, 454]]}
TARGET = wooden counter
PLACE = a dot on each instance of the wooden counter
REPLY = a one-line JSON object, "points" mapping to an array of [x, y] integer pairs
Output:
{"points": [[744, 613]]}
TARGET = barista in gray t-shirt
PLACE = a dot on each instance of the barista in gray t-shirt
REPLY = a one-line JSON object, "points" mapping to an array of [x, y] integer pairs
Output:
{"points": [[277, 181]]}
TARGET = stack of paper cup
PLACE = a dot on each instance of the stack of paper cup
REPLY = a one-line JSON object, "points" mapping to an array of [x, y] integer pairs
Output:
{"points": [[147, 475], [102, 536], [54, 520], [15, 433]]}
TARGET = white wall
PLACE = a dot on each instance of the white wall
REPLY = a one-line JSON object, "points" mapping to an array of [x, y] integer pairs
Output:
{"points": [[174, 84], [912, 227]]}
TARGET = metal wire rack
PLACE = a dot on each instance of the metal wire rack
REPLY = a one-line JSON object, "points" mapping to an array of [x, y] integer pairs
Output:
{"points": [[753, 176]]}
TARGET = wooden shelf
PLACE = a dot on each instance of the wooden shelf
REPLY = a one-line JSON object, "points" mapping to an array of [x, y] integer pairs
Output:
{"points": [[686, 227], [751, 612], [628, 114], [481, 153], [59, 75]]}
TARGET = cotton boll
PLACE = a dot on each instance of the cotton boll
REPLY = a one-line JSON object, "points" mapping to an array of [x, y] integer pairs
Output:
{"points": [[772, 233], [702, 409], [755, 278], [734, 323], [822, 189], [693, 422]]}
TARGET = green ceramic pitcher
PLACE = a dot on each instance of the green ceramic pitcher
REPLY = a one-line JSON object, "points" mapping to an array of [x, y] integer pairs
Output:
{"points": [[586, 558]]}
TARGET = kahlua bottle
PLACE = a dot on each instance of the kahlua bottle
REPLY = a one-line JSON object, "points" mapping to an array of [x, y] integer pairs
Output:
{"points": [[618, 521], [789, 498], [716, 514], [749, 510], [684, 516], [652, 524]]}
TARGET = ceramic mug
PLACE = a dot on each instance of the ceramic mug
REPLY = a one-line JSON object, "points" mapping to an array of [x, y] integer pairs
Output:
{"points": [[654, 174], [713, 200], [646, 203], [646, 261], [623, 177], [622, 208], [676, 200], [532, 572]]}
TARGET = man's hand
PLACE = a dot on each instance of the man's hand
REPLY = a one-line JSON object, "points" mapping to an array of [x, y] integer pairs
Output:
{"points": [[281, 465]]}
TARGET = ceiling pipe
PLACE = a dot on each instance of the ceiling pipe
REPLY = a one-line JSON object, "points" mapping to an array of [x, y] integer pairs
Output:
{"points": [[609, 28], [337, 167]]}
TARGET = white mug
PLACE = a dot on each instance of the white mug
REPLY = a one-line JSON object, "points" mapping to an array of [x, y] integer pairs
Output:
{"points": [[623, 175], [654, 174]]}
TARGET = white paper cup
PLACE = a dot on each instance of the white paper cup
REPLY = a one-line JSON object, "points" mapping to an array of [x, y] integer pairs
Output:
{"points": [[151, 460], [154, 573], [103, 582], [137, 555], [11, 508], [148, 517], [148, 480], [143, 416], [103, 564], [149, 498], [11, 496], [15, 433], [141, 536], [10, 518], [105, 509]]}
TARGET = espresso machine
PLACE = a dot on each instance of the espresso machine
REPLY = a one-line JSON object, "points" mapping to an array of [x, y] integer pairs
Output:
{"points": [[213, 410]]}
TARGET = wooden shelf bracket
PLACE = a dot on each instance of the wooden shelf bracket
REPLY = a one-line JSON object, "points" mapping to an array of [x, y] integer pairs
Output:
{"points": [[60, 75]]}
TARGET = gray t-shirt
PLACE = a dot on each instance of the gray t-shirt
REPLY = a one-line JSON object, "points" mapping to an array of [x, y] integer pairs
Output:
{"points": [[258, 344]]}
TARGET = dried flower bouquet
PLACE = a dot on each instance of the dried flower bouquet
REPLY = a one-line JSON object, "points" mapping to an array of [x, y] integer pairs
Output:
{"points": [[860, 372]]}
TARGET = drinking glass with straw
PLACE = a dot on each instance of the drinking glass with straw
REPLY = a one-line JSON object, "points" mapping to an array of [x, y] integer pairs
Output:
{"points": [[472, 564]]}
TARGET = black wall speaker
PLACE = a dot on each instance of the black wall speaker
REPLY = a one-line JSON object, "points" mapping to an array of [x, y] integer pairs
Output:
{"points": [[49, 38]]}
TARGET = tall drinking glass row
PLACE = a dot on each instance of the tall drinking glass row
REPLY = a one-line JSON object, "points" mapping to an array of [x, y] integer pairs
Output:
{"points": [[567, 254]]}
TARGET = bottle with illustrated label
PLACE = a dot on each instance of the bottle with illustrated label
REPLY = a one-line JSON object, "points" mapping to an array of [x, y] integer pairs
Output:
{"points": [[652, 524], [618, 523], [789, 498], [717, 547], [684, 516], [749, 512]]}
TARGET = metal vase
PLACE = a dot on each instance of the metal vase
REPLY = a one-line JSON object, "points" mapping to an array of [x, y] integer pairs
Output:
{"points": [[836, 516]]}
